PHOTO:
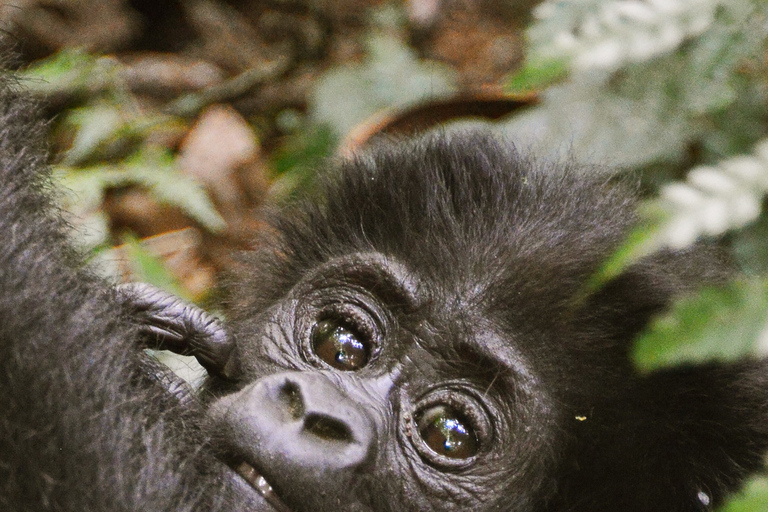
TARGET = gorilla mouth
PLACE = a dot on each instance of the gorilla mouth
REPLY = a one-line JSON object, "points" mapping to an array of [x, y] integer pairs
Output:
{"points": [[260, 484]]}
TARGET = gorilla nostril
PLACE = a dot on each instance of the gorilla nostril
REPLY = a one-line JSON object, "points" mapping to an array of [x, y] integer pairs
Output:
{"points": [[290, 396], [327, 428]]}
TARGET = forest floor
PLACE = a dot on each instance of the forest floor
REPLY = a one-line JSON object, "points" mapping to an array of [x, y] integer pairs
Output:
{"points": [[176, 121]]}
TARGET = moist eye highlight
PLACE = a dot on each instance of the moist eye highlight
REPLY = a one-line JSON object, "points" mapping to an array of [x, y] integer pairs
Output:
{"points": [[338, 345], [447, 432]]}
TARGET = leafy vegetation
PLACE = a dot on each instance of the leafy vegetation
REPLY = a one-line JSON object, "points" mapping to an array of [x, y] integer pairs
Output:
{"points": [[111, 144], [392, 77]]}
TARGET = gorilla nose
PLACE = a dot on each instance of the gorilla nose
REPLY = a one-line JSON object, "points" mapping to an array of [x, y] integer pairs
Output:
{"points": [[301, 431], [310, 417]]}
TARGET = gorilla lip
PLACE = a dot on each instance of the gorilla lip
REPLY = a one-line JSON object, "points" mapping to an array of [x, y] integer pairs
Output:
{"points": [[260, 484]]}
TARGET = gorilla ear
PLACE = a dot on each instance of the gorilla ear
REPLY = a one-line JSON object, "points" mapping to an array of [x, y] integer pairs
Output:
{"points": [[628, 302]]}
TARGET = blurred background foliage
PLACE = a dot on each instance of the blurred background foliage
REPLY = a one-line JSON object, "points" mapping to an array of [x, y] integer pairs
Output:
{"points": [[174, 123]]}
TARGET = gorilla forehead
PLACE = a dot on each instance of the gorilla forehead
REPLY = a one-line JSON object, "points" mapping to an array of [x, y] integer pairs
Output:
{"points": [[449, 198]]}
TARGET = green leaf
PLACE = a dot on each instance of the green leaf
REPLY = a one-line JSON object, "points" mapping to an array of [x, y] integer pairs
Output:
{"points": [[298, 158], [537, 75], [304, 149], [103, 126], [87, 185], [69, 71], [156, 170], [753, 498], [640, 242], [94, 125], [391, 77], [151, 269], [151, 168], [644, 239], [715, 324], [750, 246]]}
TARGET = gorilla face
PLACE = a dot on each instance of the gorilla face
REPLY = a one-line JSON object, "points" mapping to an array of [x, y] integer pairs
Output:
{"points": [[401, 344], [364, 381]]}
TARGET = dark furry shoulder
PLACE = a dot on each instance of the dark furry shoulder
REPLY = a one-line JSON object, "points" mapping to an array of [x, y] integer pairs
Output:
{"points": [[73, 432]]}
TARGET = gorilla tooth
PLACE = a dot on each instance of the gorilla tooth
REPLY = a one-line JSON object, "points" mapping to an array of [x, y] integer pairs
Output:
{"points": [[261, 485]]}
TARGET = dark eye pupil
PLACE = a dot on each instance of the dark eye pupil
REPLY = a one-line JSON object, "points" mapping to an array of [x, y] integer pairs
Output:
{"points": [[447, 432], [339, 346]]}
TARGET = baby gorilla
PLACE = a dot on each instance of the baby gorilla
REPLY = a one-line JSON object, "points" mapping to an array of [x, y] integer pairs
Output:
{"points": [[414, 338]]}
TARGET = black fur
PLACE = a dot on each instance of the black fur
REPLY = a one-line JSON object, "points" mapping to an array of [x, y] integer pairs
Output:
{"points": [[81, 426], [490, 252]]}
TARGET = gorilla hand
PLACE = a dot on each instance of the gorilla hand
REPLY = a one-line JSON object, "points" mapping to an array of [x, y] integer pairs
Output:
{"points": [[166, 322]]}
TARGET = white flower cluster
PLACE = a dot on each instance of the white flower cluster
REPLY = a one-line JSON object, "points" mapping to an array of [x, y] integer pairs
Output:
{"points": [[599, 34], [715, 199]]}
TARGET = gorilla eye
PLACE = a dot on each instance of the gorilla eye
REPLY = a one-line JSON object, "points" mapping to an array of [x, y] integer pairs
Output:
{"points": [[339, 346], [447, 432]]}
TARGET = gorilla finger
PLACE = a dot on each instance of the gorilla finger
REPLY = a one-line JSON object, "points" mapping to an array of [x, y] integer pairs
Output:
{"points": [[169, 323], [174, 385]]}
